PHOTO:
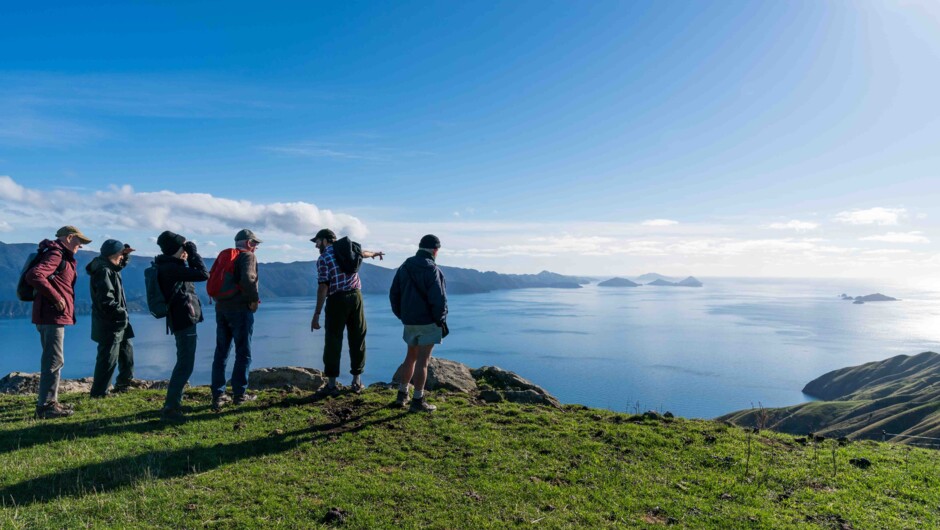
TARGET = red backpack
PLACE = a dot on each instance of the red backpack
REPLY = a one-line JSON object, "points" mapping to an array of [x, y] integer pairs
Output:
{"points": [[222, 283]]}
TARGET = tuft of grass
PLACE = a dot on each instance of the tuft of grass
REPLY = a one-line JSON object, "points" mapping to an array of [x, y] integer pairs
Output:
{"points": [[286, 461]]}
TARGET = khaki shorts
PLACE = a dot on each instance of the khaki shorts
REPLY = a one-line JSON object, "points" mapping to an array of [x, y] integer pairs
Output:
{"points": [[423, 335]]}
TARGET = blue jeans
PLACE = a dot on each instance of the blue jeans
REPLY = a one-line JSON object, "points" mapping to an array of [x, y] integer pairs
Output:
{"points": [[237, 326], [185, 359]]}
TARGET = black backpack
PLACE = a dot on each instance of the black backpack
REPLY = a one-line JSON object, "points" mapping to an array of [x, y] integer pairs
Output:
{"points": [[348, 255], [24, 291]]}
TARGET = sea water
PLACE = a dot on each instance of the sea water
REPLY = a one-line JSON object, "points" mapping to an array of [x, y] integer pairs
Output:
{"points": [[697, 352]]}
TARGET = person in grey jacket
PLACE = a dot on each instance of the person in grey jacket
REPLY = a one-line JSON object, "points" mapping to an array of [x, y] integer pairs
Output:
{"points": [[419, 299], [110, 326]]}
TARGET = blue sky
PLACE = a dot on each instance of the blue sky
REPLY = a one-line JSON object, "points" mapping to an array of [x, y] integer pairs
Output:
{"points": [[725, 138]]}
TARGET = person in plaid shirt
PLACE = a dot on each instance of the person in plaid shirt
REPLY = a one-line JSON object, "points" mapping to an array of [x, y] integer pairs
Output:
{"points": [[342, 295]]}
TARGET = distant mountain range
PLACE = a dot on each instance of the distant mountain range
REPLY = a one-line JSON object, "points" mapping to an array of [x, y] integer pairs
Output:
{"points": [[651, 278], [688, 282], [618, 282], [900, 395], [278, 280]]}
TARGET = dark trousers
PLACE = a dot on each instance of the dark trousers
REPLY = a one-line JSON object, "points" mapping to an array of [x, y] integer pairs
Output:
{"points": [[116, 350], [52, 337], [185, 359], [237, 326], [344, 311]]}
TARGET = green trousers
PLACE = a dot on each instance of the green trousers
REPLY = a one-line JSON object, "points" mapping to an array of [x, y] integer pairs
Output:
{"points": [[344, 311]]}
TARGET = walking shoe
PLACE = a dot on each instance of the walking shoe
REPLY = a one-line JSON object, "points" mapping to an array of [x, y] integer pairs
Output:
{"points": [[243, 398], [401, 400], [120, 389], [421, 405], [326, 391], [220, 400], [53, 410], [174, 414], [101, 396], [357, 388]]}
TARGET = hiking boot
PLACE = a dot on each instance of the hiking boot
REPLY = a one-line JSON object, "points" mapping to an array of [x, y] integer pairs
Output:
{"points": [[243, 398], [173, 414], [220, 400], [53, 410], [357, 388], [421, 405], [401, 400], [120, 389], [101, 396], [326, 391]]}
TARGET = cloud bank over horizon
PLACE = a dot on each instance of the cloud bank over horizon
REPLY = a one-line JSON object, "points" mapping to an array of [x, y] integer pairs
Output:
{"points": [[853, 244], [122, 208]]}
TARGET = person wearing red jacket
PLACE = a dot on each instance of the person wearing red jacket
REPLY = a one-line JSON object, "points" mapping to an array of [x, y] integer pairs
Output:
{"points": [[53, 309]]}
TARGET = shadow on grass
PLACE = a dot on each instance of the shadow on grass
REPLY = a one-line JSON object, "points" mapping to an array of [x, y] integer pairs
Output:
{"points": [[49, 431], [122, 472]]}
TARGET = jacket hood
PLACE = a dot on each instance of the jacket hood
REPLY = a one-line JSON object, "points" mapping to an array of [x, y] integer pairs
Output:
{"points": [[99, 263], [55, 245]]}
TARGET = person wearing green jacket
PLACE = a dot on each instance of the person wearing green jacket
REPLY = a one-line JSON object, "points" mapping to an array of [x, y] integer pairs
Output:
{"points": [[110, 325]]}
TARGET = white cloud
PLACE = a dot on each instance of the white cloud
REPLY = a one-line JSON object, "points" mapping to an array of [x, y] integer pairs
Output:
{"points": [[877, 216], [5, 227], [799, 226], [122, 208], [659, 222], [898, 237]]}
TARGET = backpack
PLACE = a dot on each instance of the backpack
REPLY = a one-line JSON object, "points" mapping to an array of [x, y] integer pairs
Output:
{"points": [[222, 283], [157, 303], [24, 291], [348, 255]]}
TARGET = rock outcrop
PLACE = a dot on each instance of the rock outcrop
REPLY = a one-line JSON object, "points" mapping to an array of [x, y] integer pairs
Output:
{"points": [[490, 383], [285, 377], [28, 383], [511, 387], [444, 374]]}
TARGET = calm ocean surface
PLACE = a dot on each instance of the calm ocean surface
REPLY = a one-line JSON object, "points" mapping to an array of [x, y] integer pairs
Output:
{"points": [[695, 352]]}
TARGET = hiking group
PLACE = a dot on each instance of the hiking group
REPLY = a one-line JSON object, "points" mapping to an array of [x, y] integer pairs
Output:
{"points": [[417, 296]]}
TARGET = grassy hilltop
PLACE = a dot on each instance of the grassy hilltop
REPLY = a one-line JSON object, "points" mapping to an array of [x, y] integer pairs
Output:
{"points": [[285, 462]]}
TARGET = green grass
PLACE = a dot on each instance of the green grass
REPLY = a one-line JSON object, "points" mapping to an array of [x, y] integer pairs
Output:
{"points": [[284, 461]]}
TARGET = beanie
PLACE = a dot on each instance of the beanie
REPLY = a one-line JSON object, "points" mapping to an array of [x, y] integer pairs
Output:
{"points": [[170, 243], [430, 241]]}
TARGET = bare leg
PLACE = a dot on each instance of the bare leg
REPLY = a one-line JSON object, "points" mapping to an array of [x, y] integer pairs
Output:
{"points": [[408, 367], [421, 367]]}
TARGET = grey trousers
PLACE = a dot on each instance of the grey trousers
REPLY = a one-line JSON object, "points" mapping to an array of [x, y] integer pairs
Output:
{"points": [[52, 337]]}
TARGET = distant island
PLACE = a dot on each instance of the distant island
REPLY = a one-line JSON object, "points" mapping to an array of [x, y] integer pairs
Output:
{"points": [[688, 282], [877, 297], [900, 396], [618, 282], [651, 277], [277, 280]]}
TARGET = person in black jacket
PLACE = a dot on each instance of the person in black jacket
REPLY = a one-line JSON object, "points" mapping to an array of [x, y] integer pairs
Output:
{"points": [[110, 325], [419, 299], [178, 267]]}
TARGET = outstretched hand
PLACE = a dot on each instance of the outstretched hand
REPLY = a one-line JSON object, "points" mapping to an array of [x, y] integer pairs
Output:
{"points": [[379, 255]]}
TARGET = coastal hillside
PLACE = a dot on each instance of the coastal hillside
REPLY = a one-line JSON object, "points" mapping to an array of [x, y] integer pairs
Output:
{"points": [[287, 461], [900, 396], [278, 280]]}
